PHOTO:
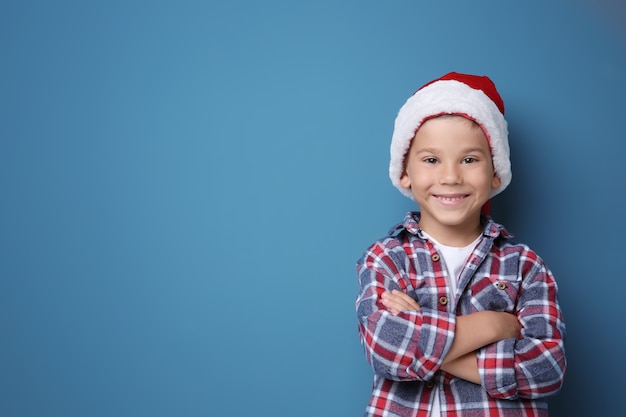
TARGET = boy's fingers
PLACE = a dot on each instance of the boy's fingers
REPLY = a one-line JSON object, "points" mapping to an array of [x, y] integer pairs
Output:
{"points": [[409, 302], [397, 301]]}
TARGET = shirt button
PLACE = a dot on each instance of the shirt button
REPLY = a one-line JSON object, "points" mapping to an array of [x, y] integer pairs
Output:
{"points": [[501, 285], [443, 300], [430, 384], [435, 257]]}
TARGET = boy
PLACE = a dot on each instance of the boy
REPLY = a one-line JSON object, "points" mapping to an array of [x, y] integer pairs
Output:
{"points": [[456, 318]]}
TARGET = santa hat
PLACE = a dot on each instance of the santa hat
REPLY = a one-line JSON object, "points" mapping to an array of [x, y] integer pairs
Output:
{"points": [[471, 96]]}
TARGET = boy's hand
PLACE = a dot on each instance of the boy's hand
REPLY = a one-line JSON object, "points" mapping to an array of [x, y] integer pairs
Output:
{"points": [[397, 301], [502, 325], [479, 329], [507, 326]]}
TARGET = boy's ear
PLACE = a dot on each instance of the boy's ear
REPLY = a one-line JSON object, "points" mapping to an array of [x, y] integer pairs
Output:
{"points": [[495, 181], [405, 181]]}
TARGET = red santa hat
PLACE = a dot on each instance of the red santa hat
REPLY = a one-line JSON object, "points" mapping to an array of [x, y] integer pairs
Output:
{"points": [[471, 96]]}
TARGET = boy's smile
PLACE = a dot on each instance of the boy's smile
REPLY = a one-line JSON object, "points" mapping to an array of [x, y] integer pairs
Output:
{"points": [[450, 199], [450, 173]]}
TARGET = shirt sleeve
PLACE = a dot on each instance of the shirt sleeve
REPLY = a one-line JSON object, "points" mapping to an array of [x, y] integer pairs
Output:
{"points": [[534, 365], [403, 347]]}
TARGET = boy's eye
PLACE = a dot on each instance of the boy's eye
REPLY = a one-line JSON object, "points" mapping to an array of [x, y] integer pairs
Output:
{"points": [[430, 160], [469, 160]]}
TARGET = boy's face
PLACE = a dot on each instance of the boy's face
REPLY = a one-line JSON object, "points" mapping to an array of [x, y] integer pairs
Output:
{"points": [[450, 173]]}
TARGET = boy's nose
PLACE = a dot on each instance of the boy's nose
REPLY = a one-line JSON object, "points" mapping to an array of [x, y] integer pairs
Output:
{"points": [[450, 174]]}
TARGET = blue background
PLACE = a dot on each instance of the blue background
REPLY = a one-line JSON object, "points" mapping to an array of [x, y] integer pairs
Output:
{"points": [[186, 187]]}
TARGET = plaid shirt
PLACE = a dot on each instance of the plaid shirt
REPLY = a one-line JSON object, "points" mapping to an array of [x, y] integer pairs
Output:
{"points": [[406, 351]]}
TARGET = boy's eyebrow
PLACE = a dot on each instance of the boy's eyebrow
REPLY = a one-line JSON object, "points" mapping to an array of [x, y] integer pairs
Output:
{"points": [[462, 150], [426, 150], [475, 149]]}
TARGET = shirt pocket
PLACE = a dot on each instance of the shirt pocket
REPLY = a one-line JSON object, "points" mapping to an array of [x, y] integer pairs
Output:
{"points": [[495, 292], [428, 295]]}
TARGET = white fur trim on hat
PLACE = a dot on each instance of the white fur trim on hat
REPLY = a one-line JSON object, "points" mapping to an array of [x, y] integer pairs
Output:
{"points": [[450, 97]]}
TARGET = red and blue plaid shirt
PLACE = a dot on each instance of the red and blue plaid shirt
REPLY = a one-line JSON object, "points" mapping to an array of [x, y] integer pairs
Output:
{"points": [[406, 351]]}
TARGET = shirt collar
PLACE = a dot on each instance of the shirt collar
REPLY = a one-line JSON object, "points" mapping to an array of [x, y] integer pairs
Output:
{"points": [[411, 225]]}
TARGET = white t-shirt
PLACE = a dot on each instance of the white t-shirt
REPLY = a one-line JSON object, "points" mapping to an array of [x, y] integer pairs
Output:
{"points": [[454, 259]]}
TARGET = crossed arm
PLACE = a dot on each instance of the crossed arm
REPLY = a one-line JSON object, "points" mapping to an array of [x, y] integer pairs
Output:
{"points": [[473, 331]]}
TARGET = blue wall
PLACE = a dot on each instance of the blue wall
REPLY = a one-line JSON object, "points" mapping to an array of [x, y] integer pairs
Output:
{"points": [[187, 185]]}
